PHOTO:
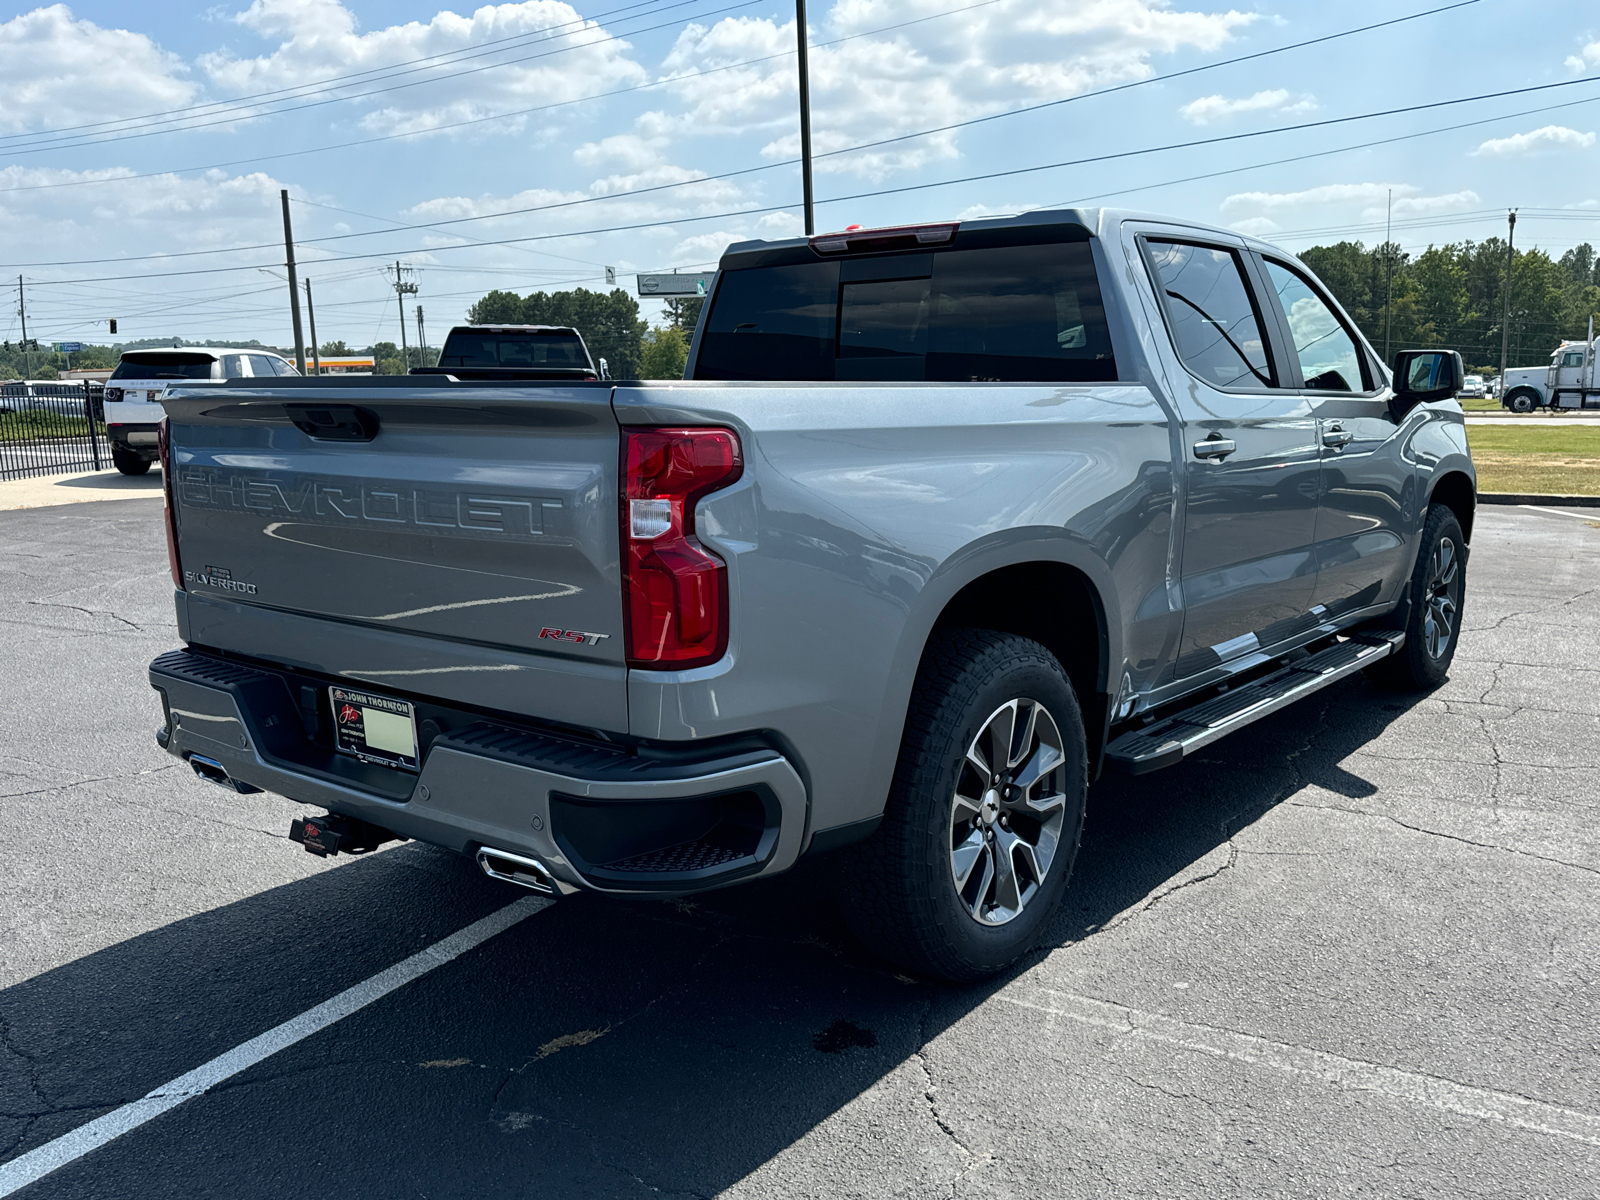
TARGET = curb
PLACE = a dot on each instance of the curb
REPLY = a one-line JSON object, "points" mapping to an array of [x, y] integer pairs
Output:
{"points": [[1535, 498]]}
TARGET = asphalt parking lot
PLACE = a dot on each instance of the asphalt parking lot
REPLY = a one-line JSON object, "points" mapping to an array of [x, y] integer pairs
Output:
{"points": [[1350, 951]]}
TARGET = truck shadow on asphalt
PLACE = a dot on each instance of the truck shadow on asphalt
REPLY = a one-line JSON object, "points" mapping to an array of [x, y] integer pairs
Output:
{"points": [[599, 1048]]}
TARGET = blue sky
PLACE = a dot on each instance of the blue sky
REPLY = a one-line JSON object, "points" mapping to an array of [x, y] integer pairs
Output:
{"points": [[705, 88]]}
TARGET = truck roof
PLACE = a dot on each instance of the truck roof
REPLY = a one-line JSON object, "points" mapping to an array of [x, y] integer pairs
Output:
{"points": [[512, 329], [1088, 222]]}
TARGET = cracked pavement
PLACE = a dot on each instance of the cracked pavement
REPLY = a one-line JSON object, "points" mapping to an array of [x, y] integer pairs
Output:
{"points": [[1351, 951]]}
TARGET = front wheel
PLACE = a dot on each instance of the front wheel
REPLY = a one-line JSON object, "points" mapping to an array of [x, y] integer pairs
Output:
{"points": [[983, 819], [1433, 625], [1521, 402]]}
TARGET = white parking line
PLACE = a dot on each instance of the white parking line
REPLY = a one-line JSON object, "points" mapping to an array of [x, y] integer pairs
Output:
{"points": [[1348, 1073], [36, 1164], [1560, 512]]}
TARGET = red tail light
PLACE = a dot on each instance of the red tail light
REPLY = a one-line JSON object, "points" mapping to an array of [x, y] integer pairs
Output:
{"points": [[164, 444], [675, 593]]}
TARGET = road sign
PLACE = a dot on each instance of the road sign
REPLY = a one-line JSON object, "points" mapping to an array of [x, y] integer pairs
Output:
{"points": [[676, 284], [66, 347]]}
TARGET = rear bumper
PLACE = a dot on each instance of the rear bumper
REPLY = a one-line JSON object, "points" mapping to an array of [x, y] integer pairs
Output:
{"points": [[599, 818], [141, 438]]}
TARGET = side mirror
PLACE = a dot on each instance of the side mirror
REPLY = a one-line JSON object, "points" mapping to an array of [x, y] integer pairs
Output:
{"points": [[1423, 376]]}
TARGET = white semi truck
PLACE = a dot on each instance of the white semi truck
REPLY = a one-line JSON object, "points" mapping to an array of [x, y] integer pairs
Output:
{"points": [[1569, 382]]}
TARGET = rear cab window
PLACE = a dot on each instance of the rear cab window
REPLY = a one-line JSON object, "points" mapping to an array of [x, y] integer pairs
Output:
{"points": [[1009, 313], [513, 350]]}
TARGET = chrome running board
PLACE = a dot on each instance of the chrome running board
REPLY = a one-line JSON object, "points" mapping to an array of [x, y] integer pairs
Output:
{"points": [[1170, 739]]}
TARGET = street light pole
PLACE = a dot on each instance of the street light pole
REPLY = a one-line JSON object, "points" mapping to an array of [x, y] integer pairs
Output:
{"points": [[801, 38], [1505, 326], [294, 288]]}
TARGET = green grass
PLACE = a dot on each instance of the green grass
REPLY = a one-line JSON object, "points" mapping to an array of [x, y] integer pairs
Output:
{"points": [[38, 423], [1553, 460], [1480, 404]]}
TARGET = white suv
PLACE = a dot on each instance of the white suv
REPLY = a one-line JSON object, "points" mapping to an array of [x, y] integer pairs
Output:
{"points": [[1472, 388], [134, 390]]}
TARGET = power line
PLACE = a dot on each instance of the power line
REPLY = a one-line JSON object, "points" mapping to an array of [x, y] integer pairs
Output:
{"points": [[756, 61], [77, 142], [521, 112], [212, 104], [1221, 139]]}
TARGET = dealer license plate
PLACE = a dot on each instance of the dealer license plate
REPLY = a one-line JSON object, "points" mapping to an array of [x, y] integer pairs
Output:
{"points": [[376, 729]]}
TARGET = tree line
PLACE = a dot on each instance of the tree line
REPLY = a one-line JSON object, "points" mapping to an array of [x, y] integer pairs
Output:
{"points": [[1453, 297], [610, 325]]}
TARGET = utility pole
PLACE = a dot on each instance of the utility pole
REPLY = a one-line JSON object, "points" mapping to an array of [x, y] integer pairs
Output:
{"points": [[1505, 327], [316, 346], [22, 309], [422, 341], [801, 38], [294, 288], [402, 289], [1388, 284]]}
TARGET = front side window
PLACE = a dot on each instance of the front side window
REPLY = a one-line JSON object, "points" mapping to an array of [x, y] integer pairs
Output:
{"points": [[1329, 359], [261, 366], [1215, 327], [1572, 360]]}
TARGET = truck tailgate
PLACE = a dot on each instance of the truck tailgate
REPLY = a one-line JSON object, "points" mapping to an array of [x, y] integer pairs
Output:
{"points": [[477, 524]]}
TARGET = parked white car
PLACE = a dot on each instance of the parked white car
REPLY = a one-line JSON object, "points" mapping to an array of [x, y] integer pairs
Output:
{"points": [[1472, 388], [134, 390]]}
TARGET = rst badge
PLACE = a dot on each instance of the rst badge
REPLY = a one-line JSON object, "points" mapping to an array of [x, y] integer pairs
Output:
{"points": [[573, 635]]}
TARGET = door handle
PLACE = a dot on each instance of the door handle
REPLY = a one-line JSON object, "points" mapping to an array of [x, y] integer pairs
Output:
{"points": [[1337, 437], [1215, 446]]}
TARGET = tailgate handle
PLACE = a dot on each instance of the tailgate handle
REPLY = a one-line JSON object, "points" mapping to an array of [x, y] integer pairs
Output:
{"points": [[334, 422]]}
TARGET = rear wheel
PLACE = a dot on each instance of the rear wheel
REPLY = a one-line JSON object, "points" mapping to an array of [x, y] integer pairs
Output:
{"points": [[129, 462], [982, 824], [1437, 590]]}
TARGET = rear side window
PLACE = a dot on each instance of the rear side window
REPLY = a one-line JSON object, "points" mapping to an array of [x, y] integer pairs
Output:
{"points": [[164, 365], [1215, 327], [513, 350], [1026, 314], [232, 366]]}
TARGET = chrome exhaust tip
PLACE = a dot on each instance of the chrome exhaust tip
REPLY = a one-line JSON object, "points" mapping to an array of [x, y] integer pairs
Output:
{"points": [[515, 868], [212, 771]]}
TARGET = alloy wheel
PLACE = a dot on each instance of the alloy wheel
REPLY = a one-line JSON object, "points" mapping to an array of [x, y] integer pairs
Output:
{"points": [[1007, 813], [1443, 598]]}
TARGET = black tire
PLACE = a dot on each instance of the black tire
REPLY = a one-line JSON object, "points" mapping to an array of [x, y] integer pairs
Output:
{"points": [[1522, 402], [1437, 592], [129, 462], [903, 896]]}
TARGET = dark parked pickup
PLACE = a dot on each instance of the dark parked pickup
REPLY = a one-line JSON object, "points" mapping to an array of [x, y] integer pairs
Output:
{"points": [[505, 353]]}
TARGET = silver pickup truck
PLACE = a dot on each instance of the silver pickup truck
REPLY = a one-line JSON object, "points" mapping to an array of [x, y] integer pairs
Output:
{"points": [[944, 521]]}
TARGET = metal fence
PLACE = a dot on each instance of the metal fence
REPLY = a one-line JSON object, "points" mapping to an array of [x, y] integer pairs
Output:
{"points": [[52, 428]]}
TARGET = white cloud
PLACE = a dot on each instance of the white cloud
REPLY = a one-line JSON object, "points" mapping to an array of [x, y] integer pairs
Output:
{"points": [[967, 64], [60, 71], [1420, 206], [1256, 227], [318, 39], [627, 150], [1588, 57], [1207, 109], [1548, 137], [1331, 193]]}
